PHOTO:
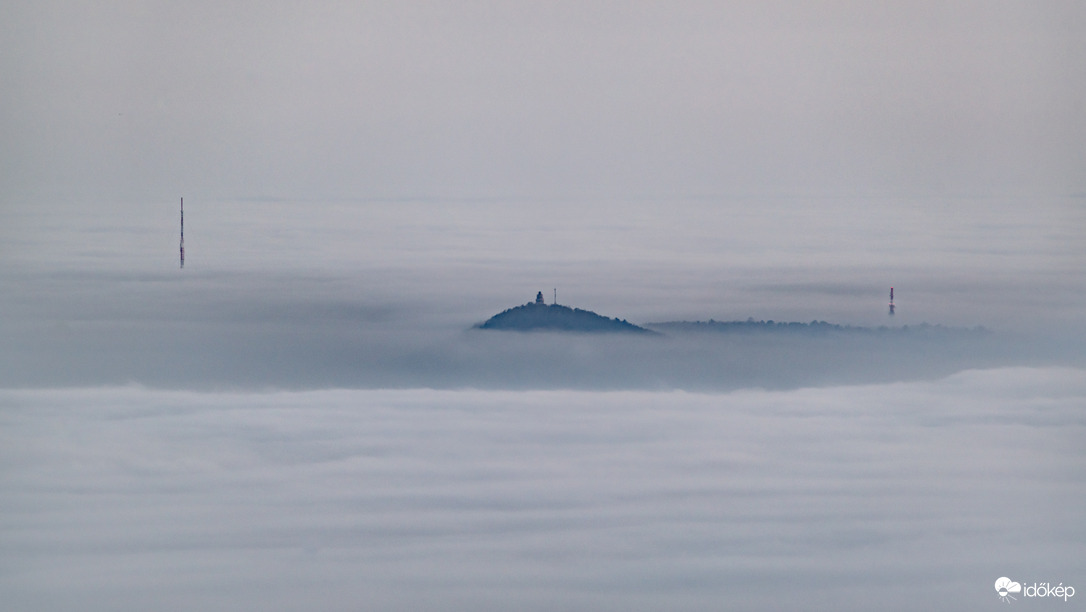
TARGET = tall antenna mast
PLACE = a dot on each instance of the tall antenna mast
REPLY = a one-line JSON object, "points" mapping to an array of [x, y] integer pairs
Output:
{"points": [[182, 232], [555, 296], [891, 301]]}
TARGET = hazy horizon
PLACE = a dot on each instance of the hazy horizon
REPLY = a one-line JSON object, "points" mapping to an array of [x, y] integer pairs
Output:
{"points": [[303, 417]]}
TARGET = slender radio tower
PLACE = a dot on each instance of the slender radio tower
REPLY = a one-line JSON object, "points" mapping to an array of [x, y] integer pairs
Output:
{"points": [[891, 301], [182, 232]]}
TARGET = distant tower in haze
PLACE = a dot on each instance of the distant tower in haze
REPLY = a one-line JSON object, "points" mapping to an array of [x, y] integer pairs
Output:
{"points": [[539, 298], [182, 232], [891, 301]]}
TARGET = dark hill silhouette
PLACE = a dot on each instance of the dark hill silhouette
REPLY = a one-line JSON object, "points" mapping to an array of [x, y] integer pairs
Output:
{"points": [[812, 328], [538, 316]]}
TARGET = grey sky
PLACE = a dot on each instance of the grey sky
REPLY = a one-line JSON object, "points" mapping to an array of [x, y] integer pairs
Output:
{"points": [[237, 99], [356, 170], [302, 419]]}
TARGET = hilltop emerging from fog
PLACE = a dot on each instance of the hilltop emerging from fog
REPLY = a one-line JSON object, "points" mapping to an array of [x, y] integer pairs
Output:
{"points": [[539, 316]]}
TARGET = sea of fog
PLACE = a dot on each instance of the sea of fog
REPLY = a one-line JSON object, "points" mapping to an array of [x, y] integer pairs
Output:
{"points": [[901, 496], [304, 418]]}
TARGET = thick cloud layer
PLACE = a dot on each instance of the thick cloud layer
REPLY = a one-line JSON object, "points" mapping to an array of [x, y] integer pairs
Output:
{"points": [[896, 497], [365, 181]]}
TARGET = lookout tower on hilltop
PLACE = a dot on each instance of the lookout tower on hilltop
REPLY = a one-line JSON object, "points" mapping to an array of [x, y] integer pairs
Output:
{"points": [[539, 298]]}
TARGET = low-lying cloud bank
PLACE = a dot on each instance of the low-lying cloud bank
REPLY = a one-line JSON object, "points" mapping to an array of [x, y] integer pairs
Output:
{"points": [[897, 496], [291, 332]]}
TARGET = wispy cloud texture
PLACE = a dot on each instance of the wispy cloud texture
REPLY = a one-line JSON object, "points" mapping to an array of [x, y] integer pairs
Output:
{"points": [[365, 181], [896, 497]]}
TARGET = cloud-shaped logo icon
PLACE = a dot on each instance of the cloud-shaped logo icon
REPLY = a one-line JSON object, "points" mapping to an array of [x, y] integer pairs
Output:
{"points": [[1005, 586]]}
